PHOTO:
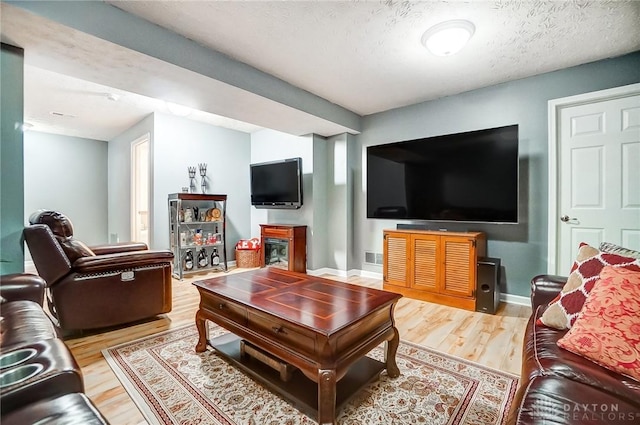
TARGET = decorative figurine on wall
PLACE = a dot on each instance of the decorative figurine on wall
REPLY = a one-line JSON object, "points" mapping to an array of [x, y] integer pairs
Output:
{"points": [[192, 179], [203, 174]]}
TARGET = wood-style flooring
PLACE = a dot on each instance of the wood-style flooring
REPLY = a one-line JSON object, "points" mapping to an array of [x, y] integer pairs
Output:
{"points": [[492, 340]]}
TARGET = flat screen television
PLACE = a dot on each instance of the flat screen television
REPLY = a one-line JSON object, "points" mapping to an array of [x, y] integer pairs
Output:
{"points": [[277, 184], [471, 176]]}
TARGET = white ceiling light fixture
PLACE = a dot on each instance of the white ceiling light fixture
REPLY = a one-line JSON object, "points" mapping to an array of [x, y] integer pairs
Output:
{"points": [[449, 37]]}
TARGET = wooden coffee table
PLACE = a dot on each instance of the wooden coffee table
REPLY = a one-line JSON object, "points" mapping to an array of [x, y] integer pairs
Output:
{"points": [[319, 328]]}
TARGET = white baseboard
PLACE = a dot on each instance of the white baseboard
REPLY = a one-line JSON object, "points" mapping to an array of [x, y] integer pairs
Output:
{"points": [[327, 270], [515, 299], [505, 298], [343, 273]]}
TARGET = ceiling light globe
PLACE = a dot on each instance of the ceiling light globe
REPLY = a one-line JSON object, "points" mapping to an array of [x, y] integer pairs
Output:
{"points": [[448, 38]]}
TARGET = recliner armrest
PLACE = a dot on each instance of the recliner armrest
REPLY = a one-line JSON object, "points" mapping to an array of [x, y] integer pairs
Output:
{"points": [[119, 261], [544, 288], [22, 286], [119, 247]]}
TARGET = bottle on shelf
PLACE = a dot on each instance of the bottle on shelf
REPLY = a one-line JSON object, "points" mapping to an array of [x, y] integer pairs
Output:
{"points": [[203, 259], [215, 258], [188, 260]]}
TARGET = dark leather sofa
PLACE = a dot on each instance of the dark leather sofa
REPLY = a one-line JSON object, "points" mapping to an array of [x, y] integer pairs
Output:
{"points": [[40, 380], [559, 387], [99, 286]]}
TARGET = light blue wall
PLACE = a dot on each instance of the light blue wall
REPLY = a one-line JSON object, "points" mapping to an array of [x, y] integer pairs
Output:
{"points": [[338, 203], [179, 143], [522, 247], [69, 175], [11, 159], [319, 235]]}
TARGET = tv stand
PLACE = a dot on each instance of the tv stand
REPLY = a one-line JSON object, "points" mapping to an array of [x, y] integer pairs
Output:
{"points": [[433, 266]]}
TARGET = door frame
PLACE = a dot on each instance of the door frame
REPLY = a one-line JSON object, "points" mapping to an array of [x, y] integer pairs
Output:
{"points": [[554, 108]]}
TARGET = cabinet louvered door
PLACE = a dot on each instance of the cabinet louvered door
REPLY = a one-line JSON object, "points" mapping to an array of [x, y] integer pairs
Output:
{"points": [[425, 262], [396, 259], [459, 266]]}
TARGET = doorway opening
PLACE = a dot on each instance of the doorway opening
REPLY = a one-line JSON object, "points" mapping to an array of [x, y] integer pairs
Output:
{"points": [[140, 179]]}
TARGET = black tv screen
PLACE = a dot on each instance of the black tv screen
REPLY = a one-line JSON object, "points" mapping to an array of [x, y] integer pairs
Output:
{"points": [[470, 176], [277, 184]]}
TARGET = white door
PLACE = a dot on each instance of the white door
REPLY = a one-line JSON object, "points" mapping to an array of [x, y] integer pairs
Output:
{"points": [[598, 171], [140, 190]]}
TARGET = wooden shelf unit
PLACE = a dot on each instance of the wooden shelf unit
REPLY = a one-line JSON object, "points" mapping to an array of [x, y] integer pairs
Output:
{"points": [[435, 266], [293, 237]]}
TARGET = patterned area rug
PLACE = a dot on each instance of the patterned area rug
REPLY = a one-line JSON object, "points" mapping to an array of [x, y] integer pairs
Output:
{"points": [[172, 384]]}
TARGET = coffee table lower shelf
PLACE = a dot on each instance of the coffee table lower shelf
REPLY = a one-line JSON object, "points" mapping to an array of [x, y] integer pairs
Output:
{"points": [[299, 390]]}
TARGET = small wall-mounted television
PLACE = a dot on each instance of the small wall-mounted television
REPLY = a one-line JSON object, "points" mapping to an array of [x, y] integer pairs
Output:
{"points": [[277, 184], [471, 176]]}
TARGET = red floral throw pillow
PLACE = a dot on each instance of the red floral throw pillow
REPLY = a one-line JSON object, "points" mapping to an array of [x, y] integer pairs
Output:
{"points": [[607, 330], [564, 309]]}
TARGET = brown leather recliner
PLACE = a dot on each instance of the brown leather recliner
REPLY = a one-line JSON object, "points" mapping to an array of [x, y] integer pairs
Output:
{"points": [[100, 286]]}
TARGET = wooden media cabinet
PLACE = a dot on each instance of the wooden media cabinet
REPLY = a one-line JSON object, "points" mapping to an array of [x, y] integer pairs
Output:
{"points": [[434, 266]]}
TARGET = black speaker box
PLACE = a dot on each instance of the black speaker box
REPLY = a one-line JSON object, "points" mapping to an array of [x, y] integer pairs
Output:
{"points": [[488, 285]]}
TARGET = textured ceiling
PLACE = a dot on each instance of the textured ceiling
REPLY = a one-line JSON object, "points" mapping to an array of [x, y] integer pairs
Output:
{"points": [[365, 56]]}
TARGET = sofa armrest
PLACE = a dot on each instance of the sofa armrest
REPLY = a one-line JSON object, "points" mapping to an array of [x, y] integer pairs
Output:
{"points": [[544, 288], [118, 247], [22, 286], [120, 261]]}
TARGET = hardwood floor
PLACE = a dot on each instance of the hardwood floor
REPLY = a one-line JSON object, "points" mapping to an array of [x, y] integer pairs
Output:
{"points": [[492, 340]]}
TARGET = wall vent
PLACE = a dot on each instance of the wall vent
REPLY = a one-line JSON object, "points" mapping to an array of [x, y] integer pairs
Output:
{"points": [[373, 258], [369, 257]]}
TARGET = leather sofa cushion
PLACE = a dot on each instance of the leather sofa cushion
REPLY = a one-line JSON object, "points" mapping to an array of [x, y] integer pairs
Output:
{"points": [[542, 356], [69, 409], [25, 321]]}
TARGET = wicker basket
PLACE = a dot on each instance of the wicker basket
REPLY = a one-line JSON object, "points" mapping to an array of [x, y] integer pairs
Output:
{"points": [[246, 258]]}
